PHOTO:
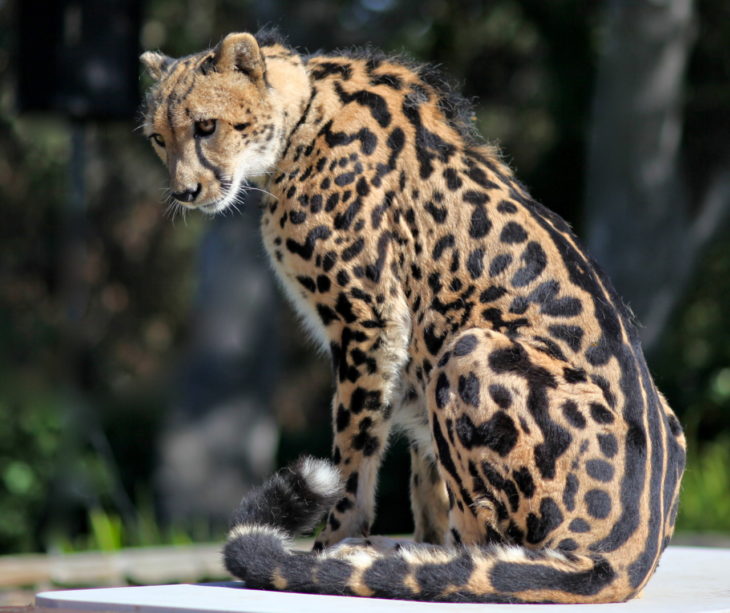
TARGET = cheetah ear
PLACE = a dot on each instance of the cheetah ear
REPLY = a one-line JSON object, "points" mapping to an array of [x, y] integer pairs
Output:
{"points": [[156, 63], [240, 51]]}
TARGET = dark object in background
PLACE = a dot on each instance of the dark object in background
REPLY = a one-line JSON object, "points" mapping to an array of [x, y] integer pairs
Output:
{"points": [[79, 57]]}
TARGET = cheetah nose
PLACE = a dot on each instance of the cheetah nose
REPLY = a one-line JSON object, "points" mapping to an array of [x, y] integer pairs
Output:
{"points": [[188, 195]]}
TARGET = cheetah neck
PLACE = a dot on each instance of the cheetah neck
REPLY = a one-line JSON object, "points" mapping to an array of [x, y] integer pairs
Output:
{"points": [[287, 76]]}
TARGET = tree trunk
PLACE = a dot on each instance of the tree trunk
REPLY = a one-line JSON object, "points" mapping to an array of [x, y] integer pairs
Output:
{"points": [[638, 211]]}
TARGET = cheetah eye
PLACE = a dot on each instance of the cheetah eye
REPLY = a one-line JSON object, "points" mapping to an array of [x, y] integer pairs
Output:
{"points": [[159, 141], [241, 126], [206, 127]]}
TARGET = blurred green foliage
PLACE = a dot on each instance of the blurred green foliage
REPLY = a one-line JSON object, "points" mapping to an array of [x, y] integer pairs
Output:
{"points": [[705, 503], [81, 400]]}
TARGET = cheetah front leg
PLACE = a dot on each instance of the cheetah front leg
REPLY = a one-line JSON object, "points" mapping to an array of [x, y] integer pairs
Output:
{"points": [[367, 368], [429, 500]]}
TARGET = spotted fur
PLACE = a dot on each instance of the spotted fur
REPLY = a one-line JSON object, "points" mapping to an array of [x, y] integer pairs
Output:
{"points": [[545, 464]]}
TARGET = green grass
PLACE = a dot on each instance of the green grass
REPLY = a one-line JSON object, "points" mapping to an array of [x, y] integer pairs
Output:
{"points": [[705, 499], [108, 532]]}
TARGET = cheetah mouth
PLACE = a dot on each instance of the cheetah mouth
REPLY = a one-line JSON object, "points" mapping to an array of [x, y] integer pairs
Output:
{"points": [[235, 193]]}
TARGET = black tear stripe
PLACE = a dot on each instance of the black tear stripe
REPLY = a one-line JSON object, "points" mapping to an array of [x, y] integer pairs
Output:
{"points": [[374, 102], [612, 316], [429, 146], [206, 164], [368, 140]]}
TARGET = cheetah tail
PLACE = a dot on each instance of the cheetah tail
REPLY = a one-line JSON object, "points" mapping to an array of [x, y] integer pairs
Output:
{"points": [[290, 503], [294, 500]]}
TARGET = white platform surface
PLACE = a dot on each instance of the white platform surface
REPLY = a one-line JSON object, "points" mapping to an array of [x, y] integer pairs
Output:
{"points": [[689, 579]]}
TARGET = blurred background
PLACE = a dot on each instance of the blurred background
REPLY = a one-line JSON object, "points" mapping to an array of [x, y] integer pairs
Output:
{"points": [[149, 369]]}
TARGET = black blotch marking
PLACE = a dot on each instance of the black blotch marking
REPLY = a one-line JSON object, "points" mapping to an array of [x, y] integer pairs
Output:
{"points": [[598, 503], [539, 527], [523, 479], [475, 263], [307, 283], [506, 207], [574, 375], [438, 213], [572, 335], [344, 307], [608, 445], [368, 140], [600, 470], [534, 261], [323, 283], [499, 264], [573, 415], [429, 146], [501, 395], [492, 293], [567, 545], [433, 342], [579, 526], [351, 483], [510, 326], [443, 390], [345, 219], [326, 314], [297, 217], [469, 389], [353, 250], [453, 182], [342, 418], [570, 490], [374, 102], [465, 345], [363, 440], [600, 414], [498, 433], [443, 243], [306, 249], [513, 233], [326, 69]]}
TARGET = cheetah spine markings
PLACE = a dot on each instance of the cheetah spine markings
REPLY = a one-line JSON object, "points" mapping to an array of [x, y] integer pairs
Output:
{"points": [[545, 464]]}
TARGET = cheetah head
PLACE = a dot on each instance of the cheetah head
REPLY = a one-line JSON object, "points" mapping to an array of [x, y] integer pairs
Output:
{"points": [[215, 120]]}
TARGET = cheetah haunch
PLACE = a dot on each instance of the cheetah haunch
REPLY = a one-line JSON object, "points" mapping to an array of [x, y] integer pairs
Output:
{"points": [[545, 464]]}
